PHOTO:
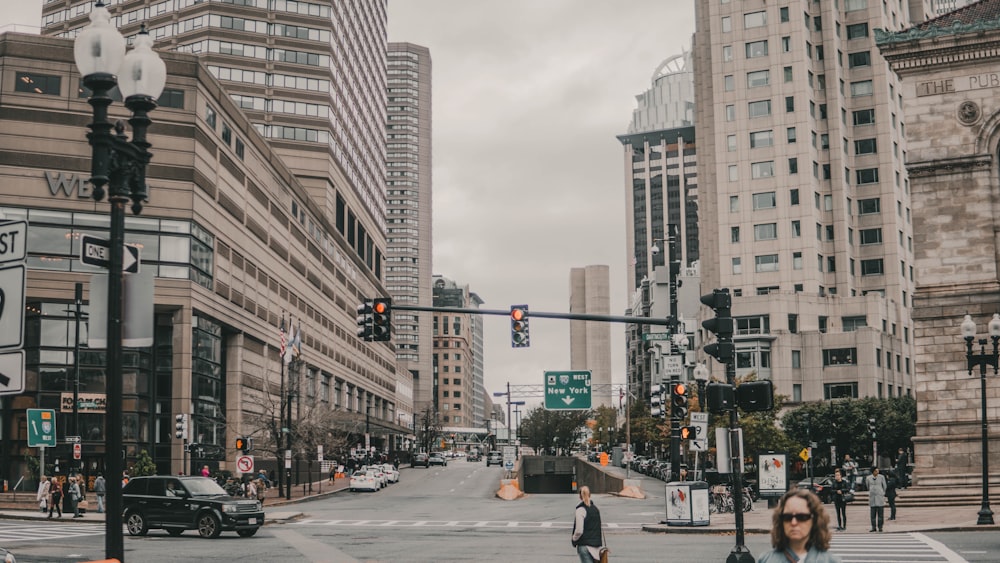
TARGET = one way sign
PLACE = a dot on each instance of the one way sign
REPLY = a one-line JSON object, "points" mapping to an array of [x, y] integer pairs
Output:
{"points": [[97, 252]]}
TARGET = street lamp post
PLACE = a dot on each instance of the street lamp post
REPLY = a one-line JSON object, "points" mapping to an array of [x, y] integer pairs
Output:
{"points": [[982, 359], [120, 164]]}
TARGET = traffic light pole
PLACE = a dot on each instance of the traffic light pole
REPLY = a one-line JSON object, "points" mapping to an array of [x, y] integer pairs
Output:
{"points": [[675, 433], [740, 552], [542, 315]]}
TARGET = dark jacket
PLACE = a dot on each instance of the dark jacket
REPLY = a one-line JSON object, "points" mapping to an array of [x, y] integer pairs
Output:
{"points": [[840, 489], [591, 527]]}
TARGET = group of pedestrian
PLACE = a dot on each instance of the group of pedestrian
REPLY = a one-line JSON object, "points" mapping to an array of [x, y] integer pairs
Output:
{"points": [[51, 493]]}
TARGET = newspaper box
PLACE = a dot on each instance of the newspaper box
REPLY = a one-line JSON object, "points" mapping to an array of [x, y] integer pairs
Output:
{"points": [[687, 503]]}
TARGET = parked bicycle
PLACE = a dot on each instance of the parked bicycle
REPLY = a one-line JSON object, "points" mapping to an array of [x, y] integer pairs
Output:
{"points": [[721, 499]]}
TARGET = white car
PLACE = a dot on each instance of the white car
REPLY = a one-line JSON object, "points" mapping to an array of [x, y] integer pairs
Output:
{"points": [[365, 480], [391, 473], [379, 474]]}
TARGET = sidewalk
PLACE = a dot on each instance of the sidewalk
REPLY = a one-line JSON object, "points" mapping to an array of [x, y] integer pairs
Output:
{"points": [[910, 519], [275, 509]]}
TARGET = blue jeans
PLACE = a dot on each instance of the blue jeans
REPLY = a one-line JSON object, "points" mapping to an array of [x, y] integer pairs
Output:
{"points": [[584, 553], [100, 503]]}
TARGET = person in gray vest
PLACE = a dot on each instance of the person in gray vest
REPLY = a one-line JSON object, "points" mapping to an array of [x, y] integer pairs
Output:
{"points": [[876, 498], [100, 489]]}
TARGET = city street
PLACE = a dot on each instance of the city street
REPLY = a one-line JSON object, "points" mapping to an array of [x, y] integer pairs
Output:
{"points": [[450, 514]]}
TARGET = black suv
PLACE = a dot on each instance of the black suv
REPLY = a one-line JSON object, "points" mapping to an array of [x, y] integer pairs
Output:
{"points": [[176, 504]]}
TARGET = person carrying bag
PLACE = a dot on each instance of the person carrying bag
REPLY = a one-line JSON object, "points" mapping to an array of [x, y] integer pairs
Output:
{"points": [[588, 535]]}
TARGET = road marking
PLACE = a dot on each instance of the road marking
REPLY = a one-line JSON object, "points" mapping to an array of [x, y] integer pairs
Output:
{"points": [[941, 548], [463, 524], [891, 548]]}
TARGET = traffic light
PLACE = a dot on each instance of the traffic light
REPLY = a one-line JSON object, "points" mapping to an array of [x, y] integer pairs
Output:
{"points": [[720, 301], [871, 427], [755, 396], [365, 320], [689, 432], [656, 409], [181, 425], [382, 319], [244, 444], [678, 401], [519, 337], [721, 397]]}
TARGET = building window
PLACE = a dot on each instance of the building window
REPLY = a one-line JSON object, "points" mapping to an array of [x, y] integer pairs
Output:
{"points": [[840, 391], [822, 324], [240, 148], [754, 19], [873, 267], [227, 133], [759, 139], [788, 74], [727, 53], [731, 143], [766, 263], [737, 265], [862, 88], [734, 173], [840, 357], [871, 236], [796, 229], [727, 24], [783, 14], [171, 98], [765, 231], [730, 112], [867, 176], [852, 324], [734, 234], [35, 83], [758, 78], [869, 206], [756, 49], [786, 44], [793, 323], [729, 83], [864, 116], [764, 200], [859, 59], [210, 116], [762, 169], [768, 290], [789, 104], [790, 135], [865, 146], [796, 359], [793, 166], [760, 108], [857, 31], [734, 203]]}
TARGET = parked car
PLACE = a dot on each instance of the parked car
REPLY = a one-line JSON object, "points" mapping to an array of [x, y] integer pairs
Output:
{"points": [[180, 503], [437, 458], [420, 460], [365, 480], [494, 458], [819, 485], [383, 479], [391, 473]]}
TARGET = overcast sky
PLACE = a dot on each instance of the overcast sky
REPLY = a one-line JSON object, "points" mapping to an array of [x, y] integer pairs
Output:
{"points": [[528, 175]]}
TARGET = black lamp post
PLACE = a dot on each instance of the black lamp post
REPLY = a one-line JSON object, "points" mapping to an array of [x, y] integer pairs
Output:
{"points": [[120, 164], [982, 359]]}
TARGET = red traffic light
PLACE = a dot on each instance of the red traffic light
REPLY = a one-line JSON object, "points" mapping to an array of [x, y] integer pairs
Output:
{"points": [[380, 307], [680, 389], [517, 314]]}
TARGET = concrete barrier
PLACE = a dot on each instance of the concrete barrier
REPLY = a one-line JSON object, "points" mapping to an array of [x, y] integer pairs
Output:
{"points": [[632, 488], [509, 489]]}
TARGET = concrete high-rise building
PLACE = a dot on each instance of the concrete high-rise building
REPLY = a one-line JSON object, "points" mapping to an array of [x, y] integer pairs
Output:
{"points": [[802, 178], [408, 269], [941, 7], [590, 341], [457, 338], [661, 181]]}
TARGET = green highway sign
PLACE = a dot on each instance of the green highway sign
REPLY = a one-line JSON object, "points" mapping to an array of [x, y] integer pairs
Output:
{"points": [[41, 428], [647, 336], [567, 390]]}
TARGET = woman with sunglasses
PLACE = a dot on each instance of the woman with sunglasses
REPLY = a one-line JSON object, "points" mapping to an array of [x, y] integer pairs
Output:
{"points": [[800, 530]]}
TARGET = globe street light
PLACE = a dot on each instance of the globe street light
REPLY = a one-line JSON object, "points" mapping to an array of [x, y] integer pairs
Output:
{"points": [[119, 164], [982, 359]]}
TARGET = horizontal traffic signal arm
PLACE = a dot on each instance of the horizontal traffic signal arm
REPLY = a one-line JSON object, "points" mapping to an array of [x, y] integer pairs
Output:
{"points": [[541, 315]]}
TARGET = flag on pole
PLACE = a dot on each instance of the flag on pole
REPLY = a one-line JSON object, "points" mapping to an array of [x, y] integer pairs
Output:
{"points": [[289, 350], [297, 342], [281, 331]]}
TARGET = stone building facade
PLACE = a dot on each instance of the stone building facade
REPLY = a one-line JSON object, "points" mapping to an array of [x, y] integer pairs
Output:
{"points": [[950, 89]]}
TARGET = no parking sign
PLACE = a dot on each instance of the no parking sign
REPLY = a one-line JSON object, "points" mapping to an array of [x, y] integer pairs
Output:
{"points": [[244, 464]]}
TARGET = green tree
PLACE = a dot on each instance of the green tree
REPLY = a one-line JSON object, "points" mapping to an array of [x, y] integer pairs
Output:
{"points": [[761, 432], [605, 427], [647, 433], [143, 465], [553, 431]]}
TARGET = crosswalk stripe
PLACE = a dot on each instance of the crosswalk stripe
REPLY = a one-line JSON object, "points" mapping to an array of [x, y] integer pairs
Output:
{"points": [[891, 548]]}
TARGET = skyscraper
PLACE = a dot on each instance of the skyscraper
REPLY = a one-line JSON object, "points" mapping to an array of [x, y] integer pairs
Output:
{"points": [[409, 271], [590, 341], [802, 178]]}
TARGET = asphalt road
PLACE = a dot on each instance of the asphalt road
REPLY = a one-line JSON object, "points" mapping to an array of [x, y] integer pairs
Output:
{"points": [[449, 513]]}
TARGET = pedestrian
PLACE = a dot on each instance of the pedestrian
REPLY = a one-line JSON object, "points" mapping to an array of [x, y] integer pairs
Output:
{"points": [[800, 530], [251, 492], [262, 476], [587, 529], [42, 496], [333, 471], [890, 495], [55, 503], [850, 469], [100, 489], [124, 478], [876, 498], [262, 487], [902, 460], [841, 488], [395, 463], [74, 497], [205, 472]]}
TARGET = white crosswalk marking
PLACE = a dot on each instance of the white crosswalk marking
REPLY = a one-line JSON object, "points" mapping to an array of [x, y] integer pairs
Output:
{"points": [[32, 531], [891, 548], [461, 524]]}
